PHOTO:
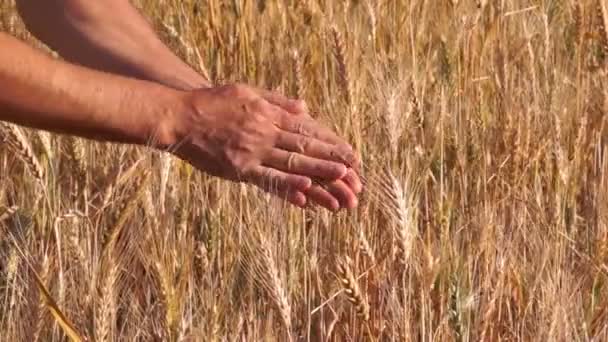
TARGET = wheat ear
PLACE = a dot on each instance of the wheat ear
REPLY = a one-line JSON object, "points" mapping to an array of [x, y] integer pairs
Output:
{"points": [[78, 157], [125, 211], [45, 141], [340, 54], [106, 306], [166, 164], [351, 288], [8, 212], [602, 14], [263, 269], [366, 247], [64, 323], [298, 77], [24, 150]]}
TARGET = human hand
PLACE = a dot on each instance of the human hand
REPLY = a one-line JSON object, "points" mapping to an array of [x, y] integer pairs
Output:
{"points": [[241, 133]]}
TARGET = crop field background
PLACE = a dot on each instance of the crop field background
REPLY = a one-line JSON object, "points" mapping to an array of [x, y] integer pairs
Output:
{"points": [[483, 130]]}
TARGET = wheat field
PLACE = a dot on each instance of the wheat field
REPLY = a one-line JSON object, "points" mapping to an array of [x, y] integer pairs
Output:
{"points": [[483, 132]]}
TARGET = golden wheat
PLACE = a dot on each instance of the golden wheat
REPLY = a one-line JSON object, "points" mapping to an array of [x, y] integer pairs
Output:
{"points": [[352, 290], [483, 132]]}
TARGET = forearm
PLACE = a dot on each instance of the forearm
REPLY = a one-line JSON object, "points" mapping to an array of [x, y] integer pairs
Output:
{"points": [[108, 35], [40, 92]]}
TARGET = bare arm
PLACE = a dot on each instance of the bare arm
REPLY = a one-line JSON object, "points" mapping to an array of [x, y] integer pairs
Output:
{"points": [[233, 132], [107, 35], [40, 92]]}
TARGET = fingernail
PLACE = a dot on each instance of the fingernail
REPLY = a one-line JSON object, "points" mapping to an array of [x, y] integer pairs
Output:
{"points": [[299, 104], [343, 171], [358, 188], [353, 203], [305, 184], [302, 200], [335, 206]]}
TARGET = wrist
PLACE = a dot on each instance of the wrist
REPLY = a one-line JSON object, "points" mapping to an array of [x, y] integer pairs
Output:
{"points": [[171, 124]]}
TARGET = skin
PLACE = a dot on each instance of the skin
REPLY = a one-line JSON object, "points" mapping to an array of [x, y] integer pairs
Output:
{"points": [[120, 83], [107, 35]]}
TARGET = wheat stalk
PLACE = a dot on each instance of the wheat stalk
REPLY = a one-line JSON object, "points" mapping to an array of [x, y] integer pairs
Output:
{"points": [[66, 325]]}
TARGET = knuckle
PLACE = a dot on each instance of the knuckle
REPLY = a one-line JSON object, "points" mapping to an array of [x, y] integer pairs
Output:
{"points": [[255, 120], [286, 122], [339, 169], [303, 144], [267, 174], [301, 105], [269, 178], [331, 169], [238, 90], [320, 167], [241, 163], [258, 106], [303, 128]]}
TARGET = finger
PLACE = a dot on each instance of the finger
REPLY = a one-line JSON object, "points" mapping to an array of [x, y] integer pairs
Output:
{"points": [[343, 193], [290, 105], [322, 197], [277, 181], [312, 147], [311, 128], [307, 127], [342, 151], [353, 181], [292, 162], [297, 199], [288, 186]]}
